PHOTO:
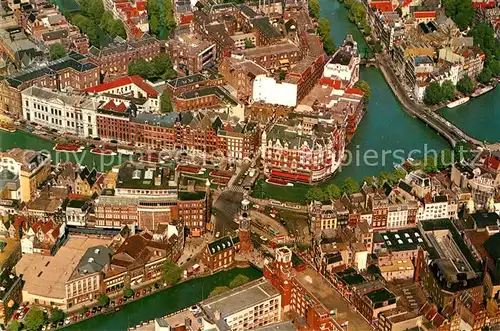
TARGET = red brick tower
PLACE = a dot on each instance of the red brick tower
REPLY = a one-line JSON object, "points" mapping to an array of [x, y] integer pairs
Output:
{"points": [[244, 228]]}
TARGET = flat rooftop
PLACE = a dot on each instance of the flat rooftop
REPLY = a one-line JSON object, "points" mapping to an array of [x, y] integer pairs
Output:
{"points": [[402, 240], [380, 295], [8, 245], [270, 50], [238, 299], [331, 299], [46, 275]]}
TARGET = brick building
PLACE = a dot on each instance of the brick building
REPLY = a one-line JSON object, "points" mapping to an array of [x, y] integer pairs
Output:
{"points": [[73, 71], [306, 74], [192, 54], [113, 59], [274, 57], [241, 74], [219, 254], [140, 257], [148, 197], [192, 82], [212, 133], [295, 297], [302, 149]]}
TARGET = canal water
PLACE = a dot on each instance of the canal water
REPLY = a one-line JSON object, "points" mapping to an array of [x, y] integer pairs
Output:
{"points": [[162, 303], [25, 140], [480, 117]]}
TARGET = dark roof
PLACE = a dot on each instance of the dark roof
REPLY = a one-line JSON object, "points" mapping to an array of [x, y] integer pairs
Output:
{"points": [[265, 27], [94, 260], [186, 196], [249, 12], [404, 186], [341, 57], [484, 219], [402, 240], [222, 94], [380, 295], [220, 245], [70, 61], [138, 175], [492, 246]]}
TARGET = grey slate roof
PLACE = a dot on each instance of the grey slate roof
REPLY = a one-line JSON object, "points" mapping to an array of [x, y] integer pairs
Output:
{"points": [[94, 260]]}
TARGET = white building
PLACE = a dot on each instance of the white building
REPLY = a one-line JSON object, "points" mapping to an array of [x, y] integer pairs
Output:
{"points": [[433, 208], [397, 216], [64, 112], [77, 213], [131, 88], [247, 307], [344, 64], [267, 90]]}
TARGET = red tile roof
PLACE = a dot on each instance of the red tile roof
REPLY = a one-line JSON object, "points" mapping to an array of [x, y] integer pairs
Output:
{"points": [[140, 5], [111, 105], [383, 6], [136, 80], [36, 226], [406, 3], [333, 83], [492, 163], [18, 222], [424, 14], [354, 90], [186, 18]]}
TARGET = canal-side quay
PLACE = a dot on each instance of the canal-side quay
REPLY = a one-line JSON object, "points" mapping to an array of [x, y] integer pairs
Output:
{"points": [[163, 302]]}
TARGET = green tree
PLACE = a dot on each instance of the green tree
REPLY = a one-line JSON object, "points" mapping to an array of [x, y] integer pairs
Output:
{"points": [[324, 28], [460, 11], [34, 319], [249, 43], [103, 300], [315, 194], [14, 326], [448, 90], [219, 290], [365, 87], [399, 173], [171, 273], [128, 292], [328, 45], [140, 67], [333, 191], [433, 94], [84, 309], [462, 151], [369, 180], [57, 51], [57, 315], [314, 8], [165, 102], [465, 85], [239, 280], [282, 75], [485, 76], [154, 25], [388, 177], [429, 165], [117, 29], [350, 186], [445, 159]]}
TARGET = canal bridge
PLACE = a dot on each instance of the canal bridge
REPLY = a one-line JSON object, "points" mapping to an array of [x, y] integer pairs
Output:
{"points": [[449, 131]]}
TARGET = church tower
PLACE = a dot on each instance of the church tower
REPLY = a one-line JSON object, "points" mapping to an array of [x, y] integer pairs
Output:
{"points": [[245, 228]]}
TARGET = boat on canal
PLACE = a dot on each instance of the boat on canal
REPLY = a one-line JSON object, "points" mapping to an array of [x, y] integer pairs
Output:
{"points": [[7, 127], [68, 147], [458, 102], [102, 151], [481, 91], [125, 151]]}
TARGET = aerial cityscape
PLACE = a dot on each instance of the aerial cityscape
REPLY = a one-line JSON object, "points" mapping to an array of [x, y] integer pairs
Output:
{"points": [[269, 165]]}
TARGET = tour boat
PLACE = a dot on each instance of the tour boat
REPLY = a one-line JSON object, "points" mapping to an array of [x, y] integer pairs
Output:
{"points": [[68, 147], [458, 102], [8, 128], [279, 182], [125, 151], [482, 91], [150, 158], [102, 151]]}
